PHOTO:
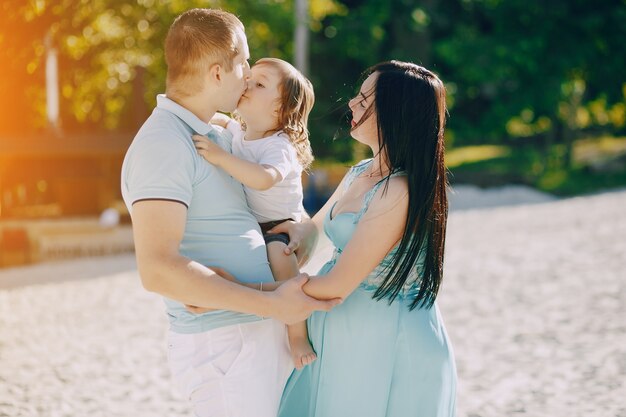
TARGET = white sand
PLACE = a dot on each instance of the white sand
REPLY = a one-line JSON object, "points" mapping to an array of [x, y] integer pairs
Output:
{"points": [[534, 300], [535, 303], [464, 197]]}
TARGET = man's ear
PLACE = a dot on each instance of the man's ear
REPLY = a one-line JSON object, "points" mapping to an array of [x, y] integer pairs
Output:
{"points": [[215, 74]]}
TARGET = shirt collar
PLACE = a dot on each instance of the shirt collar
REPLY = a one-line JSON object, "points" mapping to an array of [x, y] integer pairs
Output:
{"points": [[185, 115]]}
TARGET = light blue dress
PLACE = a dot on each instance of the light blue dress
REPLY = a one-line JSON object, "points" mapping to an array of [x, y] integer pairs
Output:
{"points": [[373, 359]]}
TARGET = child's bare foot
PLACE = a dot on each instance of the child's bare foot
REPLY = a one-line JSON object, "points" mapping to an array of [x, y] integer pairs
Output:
{"points": [[301, 352]]}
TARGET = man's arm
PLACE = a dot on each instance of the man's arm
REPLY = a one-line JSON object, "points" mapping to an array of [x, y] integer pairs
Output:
{"points": [[158, 228]]}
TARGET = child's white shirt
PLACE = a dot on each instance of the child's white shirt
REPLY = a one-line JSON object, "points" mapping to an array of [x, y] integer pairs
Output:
{"points": [[284, 199]]}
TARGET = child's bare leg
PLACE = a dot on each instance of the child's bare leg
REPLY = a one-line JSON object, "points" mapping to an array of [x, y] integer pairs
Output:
{"points": [[285, 267]]}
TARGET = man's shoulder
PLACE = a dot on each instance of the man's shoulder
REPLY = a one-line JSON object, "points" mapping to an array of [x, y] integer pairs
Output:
{"points": [[163, 129], [164, 121], [162, 145]]}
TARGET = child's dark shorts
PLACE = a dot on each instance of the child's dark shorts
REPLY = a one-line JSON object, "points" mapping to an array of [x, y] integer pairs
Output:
{"points": [[274, 237]]}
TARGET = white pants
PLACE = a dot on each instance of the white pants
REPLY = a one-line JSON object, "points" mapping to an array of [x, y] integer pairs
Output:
{"points": [[233, 371]]}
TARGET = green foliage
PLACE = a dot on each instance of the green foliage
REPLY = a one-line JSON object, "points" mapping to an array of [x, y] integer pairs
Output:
{"points": [[526, 73], [101, 46], [528, 67], [598, 164], [516, 70]]}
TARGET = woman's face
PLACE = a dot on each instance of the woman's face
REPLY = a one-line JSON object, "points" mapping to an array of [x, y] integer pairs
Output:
{"points": [[367, 131]]}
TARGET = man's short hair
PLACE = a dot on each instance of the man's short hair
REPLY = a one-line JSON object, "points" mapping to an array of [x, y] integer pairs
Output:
{"points": [[198, 39]]}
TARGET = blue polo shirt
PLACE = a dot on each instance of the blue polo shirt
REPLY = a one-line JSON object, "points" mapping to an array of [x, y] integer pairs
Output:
{"points": [[162, 164]]}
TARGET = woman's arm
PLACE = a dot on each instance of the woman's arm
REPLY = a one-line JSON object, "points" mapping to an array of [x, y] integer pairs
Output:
{"points": [[256, 176], [378, 231]]}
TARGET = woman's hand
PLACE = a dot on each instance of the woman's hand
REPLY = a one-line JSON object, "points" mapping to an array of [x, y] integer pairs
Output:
{"points": [[302, 238], [209, 150]]}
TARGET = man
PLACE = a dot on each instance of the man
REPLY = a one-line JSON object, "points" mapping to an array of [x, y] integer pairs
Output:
{"points": [[192, 228]]}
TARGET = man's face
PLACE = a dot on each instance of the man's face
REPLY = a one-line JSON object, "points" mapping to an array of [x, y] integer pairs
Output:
{"points": [[234, 81]]}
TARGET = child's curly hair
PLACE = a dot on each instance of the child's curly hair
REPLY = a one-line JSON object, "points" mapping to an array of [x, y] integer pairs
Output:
{"points": [[296, 101]]}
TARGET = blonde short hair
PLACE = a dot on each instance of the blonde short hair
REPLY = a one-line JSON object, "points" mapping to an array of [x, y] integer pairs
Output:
{"points": [[198, 39]]}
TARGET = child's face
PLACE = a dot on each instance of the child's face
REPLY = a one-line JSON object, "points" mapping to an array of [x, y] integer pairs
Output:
{"points": [[234, 81], [260, 104], [367, 131]]}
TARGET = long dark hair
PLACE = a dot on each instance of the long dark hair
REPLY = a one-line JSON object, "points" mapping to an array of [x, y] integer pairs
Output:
{"points": [[410, 105]]}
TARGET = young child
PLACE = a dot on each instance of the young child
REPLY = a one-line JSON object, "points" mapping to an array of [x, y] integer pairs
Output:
{"points": [[270, 149]]}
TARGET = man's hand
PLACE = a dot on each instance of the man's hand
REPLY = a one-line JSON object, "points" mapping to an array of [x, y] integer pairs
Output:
{"points": [[292, 305], [209, 150], [302, 238]]}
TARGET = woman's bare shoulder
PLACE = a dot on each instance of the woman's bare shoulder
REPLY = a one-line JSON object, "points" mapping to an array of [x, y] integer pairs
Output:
{"points": [[391, 195]]}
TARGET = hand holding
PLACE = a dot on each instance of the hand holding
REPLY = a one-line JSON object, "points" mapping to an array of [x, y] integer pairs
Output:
{"points": [[293, 305]]}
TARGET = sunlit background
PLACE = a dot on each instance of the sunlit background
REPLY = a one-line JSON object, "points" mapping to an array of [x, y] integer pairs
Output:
{"points": [[536, 92]]}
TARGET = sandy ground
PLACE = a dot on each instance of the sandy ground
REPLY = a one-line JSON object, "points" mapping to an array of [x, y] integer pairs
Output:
{"points": [[534, 300]]}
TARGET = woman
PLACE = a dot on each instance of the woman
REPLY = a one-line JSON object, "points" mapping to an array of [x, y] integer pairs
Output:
{"points": [[384, 351]]}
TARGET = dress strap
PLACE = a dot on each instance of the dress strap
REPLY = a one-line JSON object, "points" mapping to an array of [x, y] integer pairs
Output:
{"points": [[371, 193], [355, 171]]}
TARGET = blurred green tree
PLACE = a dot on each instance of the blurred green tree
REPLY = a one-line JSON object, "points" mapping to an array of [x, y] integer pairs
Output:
{"points": [[534, 69], [104, 46], [517, 71]]}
